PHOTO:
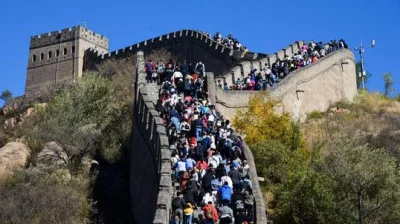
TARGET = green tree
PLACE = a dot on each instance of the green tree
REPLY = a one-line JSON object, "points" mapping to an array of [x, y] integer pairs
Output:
{"points": [[300, 194], [365, 180], [85, 119], [306, 196], [359, 78], [387, 78], [6, 96]]}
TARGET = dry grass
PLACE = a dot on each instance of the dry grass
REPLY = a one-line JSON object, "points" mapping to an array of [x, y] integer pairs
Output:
{"points": [[373, 119]]}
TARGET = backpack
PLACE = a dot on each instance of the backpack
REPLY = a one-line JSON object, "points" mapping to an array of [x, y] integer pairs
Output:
{"points": [[176, 203], [199, 68], [209, 213], [188, 86], [197, 83], [226, 219], [159, 106], [199, 150], [198, 123], [239, 205], [179, 107]]}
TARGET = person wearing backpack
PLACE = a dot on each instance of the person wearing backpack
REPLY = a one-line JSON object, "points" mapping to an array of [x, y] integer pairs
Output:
{"points": [[178, 203], [185, 128], [200, 152], [200, 69], [179, 106], [210, 213], [206, 141], [198, 128], [208, 196], [184, 68], [225, 192], [187, 87], [197, 88], [225, 214], [180, 86], [235, 176], [238, 202], [149, 71], [248, 202]]}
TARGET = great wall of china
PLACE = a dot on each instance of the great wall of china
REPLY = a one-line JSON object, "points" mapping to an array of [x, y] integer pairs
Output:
{"points": [[62, 56]]}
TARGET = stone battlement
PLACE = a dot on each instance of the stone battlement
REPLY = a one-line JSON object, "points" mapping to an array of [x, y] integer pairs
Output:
{"points": [[314, 87], [68, 34]]}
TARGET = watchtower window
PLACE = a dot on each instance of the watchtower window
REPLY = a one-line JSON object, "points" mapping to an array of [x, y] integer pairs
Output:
{"points": [[65, 51], [41, 56], [57, 52], [73, 49], [34, 58], [50, 54]]}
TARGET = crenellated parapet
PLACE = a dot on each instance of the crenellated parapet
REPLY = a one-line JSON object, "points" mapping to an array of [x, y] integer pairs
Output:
{"points": [[307, 89], [150, 166], [192, 46], [258, 61], [57, 58]]}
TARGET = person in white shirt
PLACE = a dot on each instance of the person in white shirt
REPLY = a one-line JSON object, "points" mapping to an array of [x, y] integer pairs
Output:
{"points": [[211, 120], [214, 159], [175, 77], [209, 196], [226, 178]]}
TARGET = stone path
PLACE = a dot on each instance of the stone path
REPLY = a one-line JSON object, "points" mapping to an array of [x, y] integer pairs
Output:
{"points": [[152, 91]]}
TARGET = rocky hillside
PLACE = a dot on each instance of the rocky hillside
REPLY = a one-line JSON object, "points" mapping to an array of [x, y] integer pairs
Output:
{"points": [[339, 166]]}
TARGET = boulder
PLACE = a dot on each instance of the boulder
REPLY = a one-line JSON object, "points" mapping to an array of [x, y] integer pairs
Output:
{"points": [[11, 122], [28, 113], [52, 155], [5, 110], [13, 155]]}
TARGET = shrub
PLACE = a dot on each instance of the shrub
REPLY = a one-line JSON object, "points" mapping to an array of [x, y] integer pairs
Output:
{"points": [[32, 196], [260, 121], [315, 115], [363, 191], [86, 119]]}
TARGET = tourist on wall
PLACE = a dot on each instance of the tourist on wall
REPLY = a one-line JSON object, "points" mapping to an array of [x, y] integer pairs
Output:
{"points": [[149, 71]]}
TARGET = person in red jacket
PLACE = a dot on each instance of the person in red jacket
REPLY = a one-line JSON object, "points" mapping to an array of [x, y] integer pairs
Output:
{"points": [[210, 213]]}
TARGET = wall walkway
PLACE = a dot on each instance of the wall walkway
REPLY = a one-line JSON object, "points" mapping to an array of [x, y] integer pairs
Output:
{"points": [[314, 87], [190, 45], [150, 169]]}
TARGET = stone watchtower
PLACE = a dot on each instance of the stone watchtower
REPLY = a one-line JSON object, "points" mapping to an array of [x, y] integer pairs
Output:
{"points": [[56, 58]]}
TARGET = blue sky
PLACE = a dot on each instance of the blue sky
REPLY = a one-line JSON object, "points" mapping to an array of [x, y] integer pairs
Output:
{"points": [[263, 26]]}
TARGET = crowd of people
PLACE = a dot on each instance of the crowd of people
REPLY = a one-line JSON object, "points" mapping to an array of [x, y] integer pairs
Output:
{"points": [[207, 157], [229, 41], [268, 76], [160, 72]]}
